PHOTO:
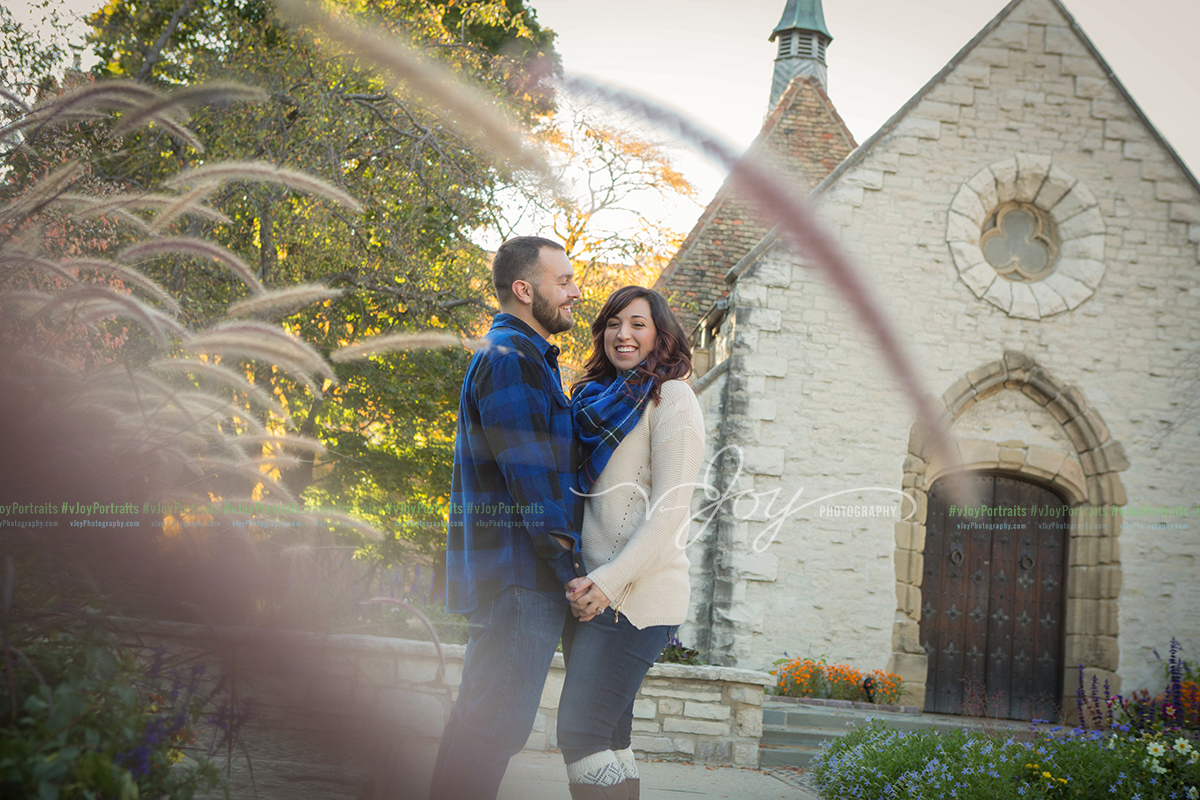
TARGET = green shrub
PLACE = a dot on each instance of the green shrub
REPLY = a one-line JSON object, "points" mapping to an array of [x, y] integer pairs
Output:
{"points": [[82, 716]]}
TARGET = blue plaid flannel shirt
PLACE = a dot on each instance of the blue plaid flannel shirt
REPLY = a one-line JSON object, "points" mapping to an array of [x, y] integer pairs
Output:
{"points": [[513, 473]]}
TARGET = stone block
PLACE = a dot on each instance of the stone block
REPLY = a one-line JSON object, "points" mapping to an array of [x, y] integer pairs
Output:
{"points": [[979, 279], [906, 636], [910, 667], [764, 460], [999, 294], [1084, 247], [1006, 179], [1108, 580], [708, 752], [745, 754], [749, 721], [670, 705], [909, 566], [1086, 223], [990, 56], [1073, 292], [1009, 35], [908, 600], [1110, 551], [718, 711], [1089, 87], [1081, 65], [1010, 457], [377, 670], [1085, 552], [961, 229], [1055, 186], [983, 183], [1060, 39], [1185, 212], [644, 709], [771, 366], [646, 726], [977, 452], [919, 128], [1031, 173], [767, 319], [967, 203], [1044, 459], [1024, 304], [755, 566], [1072, 473], [1175, 191], [700, 727], [1086, 272], [1049, 301], [751, 695], [671, 690], [653, 745]]}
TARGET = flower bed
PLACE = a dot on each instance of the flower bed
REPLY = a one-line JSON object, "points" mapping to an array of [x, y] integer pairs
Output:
{"points": [[877, 762], [805, 677]]}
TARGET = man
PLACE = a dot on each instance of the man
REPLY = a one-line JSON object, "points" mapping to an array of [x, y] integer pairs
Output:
{"points": [[512, 544]]}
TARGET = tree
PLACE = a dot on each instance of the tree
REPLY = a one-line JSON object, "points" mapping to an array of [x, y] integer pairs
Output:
{"points": [[406, 263], [604, 175]]}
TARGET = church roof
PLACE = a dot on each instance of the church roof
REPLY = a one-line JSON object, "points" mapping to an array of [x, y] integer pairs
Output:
{"points": [[752, 254], [805, 15], [806, 139]]}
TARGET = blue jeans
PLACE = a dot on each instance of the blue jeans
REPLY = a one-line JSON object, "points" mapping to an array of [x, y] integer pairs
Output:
{"points": [[606, 662], [512, 641]]}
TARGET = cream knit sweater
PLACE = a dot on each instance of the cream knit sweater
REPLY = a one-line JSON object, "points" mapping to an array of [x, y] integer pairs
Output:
{"points": [[637, 515]]}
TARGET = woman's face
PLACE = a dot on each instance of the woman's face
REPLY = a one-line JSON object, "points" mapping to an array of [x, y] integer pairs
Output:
{"points": [[629, 336]]}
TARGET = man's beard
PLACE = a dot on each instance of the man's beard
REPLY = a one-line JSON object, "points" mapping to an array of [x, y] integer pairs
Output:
{"points": [[548, 315]]}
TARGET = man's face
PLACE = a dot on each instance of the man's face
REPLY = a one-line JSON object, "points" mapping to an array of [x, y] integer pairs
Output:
{"points": [[554, 291]]}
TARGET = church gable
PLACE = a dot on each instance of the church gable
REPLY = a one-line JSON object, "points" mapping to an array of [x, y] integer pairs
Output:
{"points": [[1031, 81], [805, 139]]}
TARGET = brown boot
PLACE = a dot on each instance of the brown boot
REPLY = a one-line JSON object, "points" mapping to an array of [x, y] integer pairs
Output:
{"points": [[590, 791]]}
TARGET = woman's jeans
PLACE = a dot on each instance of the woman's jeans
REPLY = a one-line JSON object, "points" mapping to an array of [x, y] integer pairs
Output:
{"points": [[606, 662]]}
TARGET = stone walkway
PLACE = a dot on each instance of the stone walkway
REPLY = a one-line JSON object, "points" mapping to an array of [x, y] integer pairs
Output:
{"points": [[541, 776]]}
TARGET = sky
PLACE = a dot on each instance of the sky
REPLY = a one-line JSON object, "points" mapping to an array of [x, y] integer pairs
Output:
{"points": [[711, 59]]}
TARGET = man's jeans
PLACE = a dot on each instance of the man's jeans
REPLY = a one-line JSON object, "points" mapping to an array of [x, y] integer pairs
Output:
{"points": [[606, 662], [513, 639]]}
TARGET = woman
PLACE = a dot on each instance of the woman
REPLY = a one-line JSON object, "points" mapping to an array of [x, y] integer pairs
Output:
{"points": [[640, 438]]}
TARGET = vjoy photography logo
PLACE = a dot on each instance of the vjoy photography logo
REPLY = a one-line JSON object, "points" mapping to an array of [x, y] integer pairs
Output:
{"points": [[738, 500]]}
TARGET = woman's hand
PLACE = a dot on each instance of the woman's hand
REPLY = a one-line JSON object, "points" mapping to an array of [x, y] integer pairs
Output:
{"points": [[587, 600]]}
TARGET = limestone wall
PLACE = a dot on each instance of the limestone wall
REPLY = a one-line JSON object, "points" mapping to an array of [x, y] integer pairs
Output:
{"points": [[822, 414], [364, 689]]}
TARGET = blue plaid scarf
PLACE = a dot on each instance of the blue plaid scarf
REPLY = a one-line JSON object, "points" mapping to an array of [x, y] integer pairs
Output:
{"points": [[605, 412]]}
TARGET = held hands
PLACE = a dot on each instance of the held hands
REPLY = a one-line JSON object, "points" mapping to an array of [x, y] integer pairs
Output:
{"points": [[586, 599]]}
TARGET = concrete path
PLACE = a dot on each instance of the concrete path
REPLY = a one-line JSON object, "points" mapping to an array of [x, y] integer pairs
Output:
{"points": [[541, 776]]}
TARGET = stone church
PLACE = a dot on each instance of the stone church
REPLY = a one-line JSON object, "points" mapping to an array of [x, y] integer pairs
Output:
{"points": [[1033, 239]]}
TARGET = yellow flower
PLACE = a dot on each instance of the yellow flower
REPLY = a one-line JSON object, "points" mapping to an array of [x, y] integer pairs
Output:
{"points": [[1047, 776]]}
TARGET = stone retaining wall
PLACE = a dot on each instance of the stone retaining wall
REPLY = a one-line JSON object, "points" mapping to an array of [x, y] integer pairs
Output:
{"points": [[383, 688]]}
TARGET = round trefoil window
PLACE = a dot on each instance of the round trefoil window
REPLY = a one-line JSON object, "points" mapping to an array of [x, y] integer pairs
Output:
{"points": [[1018, 241]]}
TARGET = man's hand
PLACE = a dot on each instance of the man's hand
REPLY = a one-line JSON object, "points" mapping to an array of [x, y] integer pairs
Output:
{"points": [[586, 599]]}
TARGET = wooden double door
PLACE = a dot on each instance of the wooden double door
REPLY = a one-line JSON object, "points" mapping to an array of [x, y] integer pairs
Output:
{"points": [[993, 599]]}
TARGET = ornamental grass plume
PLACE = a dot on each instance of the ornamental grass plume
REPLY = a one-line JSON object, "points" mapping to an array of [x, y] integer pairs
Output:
{"points": [[105, 395]]}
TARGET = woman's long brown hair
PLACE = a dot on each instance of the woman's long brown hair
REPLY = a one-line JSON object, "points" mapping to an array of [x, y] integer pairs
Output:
{"points": [[671, 357]]}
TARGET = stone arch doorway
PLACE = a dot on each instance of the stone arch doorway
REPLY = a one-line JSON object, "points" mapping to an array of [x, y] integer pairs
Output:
{"points": [[1086, 473], [992, 621]]}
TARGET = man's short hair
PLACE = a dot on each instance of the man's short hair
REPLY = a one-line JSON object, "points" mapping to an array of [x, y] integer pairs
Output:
{"points": [[516, 260]]}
